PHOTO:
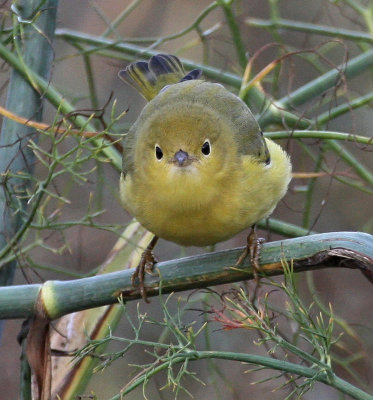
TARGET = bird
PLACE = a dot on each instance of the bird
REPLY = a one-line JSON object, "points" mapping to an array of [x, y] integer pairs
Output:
{"points": [[197, 169]]}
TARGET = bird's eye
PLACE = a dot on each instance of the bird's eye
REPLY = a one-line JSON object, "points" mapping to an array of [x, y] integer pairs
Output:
{"points": [[158, 152], [206, 148]]}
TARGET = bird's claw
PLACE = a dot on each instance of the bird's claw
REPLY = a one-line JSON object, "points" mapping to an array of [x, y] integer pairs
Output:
{"points": [[146, 264], [253, 248]]}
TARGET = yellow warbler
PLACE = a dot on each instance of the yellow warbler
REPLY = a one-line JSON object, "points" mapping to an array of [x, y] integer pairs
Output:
{"points": [[196, 167]]}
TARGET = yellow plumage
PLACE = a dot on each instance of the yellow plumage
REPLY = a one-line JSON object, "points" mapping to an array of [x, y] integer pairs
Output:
{"points": [[196, 168]]}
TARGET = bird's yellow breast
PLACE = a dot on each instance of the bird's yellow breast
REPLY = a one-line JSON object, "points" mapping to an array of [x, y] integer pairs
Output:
{"points": [[196, 207]]}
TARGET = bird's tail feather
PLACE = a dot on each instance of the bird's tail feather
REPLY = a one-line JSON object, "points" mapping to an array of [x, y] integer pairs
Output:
{"points": [[149, 78]]}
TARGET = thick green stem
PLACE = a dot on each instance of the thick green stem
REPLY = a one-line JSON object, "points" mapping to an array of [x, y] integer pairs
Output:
{"points": [[336, 249], [33, 41]]}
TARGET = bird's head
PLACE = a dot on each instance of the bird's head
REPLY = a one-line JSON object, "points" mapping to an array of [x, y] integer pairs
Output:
{"points": [[181, 145]]}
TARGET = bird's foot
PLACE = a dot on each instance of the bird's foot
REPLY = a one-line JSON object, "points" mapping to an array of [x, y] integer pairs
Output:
{"points": [[146, 264], [253, 248]]}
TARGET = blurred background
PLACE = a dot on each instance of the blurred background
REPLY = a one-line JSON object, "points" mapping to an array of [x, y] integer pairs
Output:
{"points": [[336, 207]]}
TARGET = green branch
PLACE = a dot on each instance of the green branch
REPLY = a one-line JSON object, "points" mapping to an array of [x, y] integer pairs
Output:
{"points": [[312, 373], [344, 108], [338, 249], [351, 160], [319, 134], [235, 31], [291, 25], [283, 228], [194, 26]]}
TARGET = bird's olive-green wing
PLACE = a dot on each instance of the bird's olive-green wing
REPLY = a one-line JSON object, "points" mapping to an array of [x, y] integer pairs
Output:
{"points": [[252, 143], [129, 144], [248, 136]]}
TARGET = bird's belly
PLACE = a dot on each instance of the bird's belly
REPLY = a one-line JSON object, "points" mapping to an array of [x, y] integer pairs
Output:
{"points": [[206, 225], [193, 229]]}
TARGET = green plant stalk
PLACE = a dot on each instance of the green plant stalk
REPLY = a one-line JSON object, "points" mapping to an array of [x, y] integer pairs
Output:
{"points": [[352, 182], [305, 253], [190, 28], [274, 12], [25, 375], [281, 23], [25, 225], [326, 377], [58, 101], [330, 139], [235, 31], [359, 9], [337, 111], [283, 228], [354, 67], [319, 134], [340, 151], [91, 82], [274, 15], [33, 44], [310, 190], [317, 86], [359, 168], [368, 14], [121, 17], [253, 95], [25, 101]]}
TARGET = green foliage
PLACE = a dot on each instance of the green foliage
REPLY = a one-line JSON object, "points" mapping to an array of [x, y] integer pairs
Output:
{"points": [[309, 345], [57, 162]]}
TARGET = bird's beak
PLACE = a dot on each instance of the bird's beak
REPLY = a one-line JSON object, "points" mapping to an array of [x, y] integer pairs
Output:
{"points": [[182, 158]]}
